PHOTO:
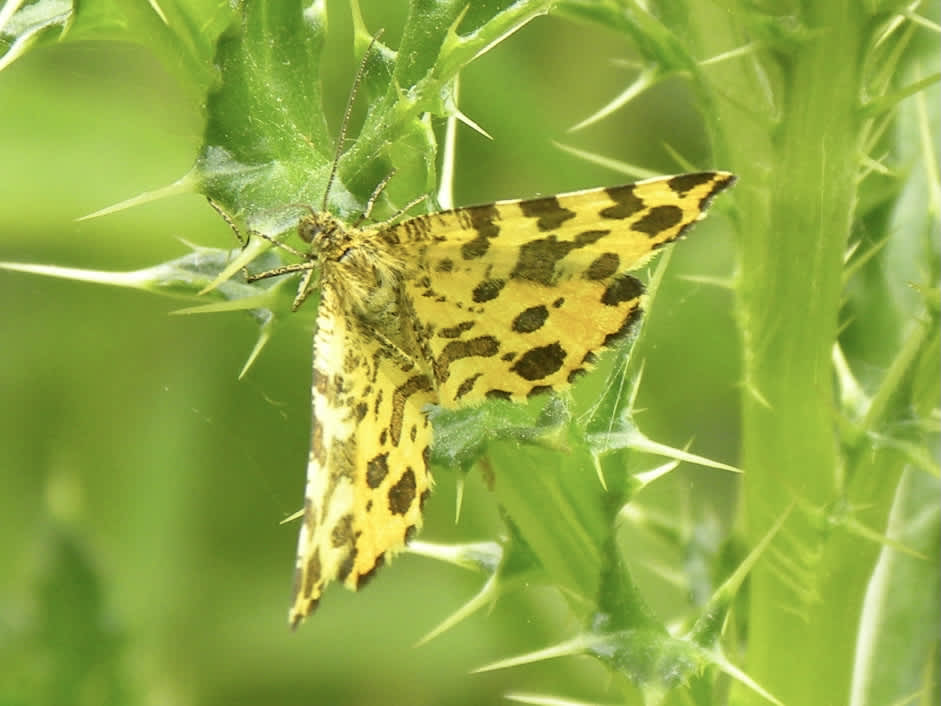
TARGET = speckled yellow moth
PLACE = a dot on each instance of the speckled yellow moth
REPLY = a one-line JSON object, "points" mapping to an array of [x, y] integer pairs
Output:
{"points": [[504, 300]]}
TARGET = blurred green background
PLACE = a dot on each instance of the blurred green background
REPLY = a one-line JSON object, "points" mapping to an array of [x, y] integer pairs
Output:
{"points": [[142, 484]]}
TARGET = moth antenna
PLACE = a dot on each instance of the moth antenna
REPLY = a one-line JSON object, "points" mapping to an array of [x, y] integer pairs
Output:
{"points": [[341, 138]]}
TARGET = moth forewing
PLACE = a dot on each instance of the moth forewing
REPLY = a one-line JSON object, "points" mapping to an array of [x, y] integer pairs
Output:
{"points": [[517, 296]]}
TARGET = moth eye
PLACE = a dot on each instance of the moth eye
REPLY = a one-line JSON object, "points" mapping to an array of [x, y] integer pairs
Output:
{"points": [[308, 230]]}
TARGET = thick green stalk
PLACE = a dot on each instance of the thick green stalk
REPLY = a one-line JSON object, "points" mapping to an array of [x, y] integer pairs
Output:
{"points": [[802, 623]]}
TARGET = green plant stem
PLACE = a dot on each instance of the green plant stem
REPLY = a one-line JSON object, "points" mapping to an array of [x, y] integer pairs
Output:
{"points": [[806, 594]]}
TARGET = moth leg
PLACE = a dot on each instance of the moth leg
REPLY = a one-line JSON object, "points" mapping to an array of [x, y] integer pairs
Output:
{"points": [[309, 283], [382, 225], [287, 269], [373, 198], [225, 216], [283, 270], [244, 241]]}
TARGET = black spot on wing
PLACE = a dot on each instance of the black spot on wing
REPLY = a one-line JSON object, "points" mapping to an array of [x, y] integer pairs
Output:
{"points": [[539, 363], [402, 493], [576, 374], [537, 258], [538, 390], [376, 470], [456, 331], [346, 564], [603, 266], [482, 346], [318, 451], [626, 202], [340, 458], [487, 290], [622, 289], [721, 183], [659, 219], [466, 386], [589, 237], [482, 220], [312, 571], [342, 533], [627, 327], [530, 319], [310, 516], [548, 211], [413, 385], [685, 182]]}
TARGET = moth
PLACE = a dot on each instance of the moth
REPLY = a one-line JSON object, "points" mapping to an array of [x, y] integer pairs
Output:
{"points": [[504, 300]]}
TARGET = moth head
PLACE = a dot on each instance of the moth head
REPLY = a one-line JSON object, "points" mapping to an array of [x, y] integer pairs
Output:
{"points": [[309, 228], [317, 227]]}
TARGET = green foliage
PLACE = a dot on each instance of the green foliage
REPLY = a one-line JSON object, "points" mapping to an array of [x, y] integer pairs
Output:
{"points": [[822, 587]]}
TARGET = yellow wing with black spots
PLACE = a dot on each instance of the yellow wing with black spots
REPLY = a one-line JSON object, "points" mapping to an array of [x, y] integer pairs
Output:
{"points": [[515, 297], [367, 474]]}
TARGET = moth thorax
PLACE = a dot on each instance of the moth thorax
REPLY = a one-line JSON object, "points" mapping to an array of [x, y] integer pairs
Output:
{"points": [[373, 286]]}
